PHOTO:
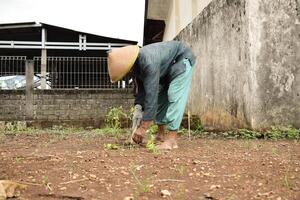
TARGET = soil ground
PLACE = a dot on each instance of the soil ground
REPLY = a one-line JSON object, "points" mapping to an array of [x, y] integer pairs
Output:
{"points": [[77, 166]]}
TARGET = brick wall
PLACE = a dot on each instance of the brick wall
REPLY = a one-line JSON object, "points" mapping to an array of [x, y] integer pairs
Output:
{"points": [[72, 107]]}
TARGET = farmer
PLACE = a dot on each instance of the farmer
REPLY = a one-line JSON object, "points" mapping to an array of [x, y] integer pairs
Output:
{"points": [[162, 73]]}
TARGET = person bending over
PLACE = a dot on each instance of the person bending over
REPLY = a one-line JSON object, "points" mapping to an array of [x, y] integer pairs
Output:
{"points": [[162, 73]]}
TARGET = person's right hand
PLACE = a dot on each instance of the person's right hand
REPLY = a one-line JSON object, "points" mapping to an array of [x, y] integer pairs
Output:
{"points": [[137, 116]]}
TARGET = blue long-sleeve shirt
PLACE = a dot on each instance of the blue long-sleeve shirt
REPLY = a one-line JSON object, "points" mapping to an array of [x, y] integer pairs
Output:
{"points": [[156, 66]]}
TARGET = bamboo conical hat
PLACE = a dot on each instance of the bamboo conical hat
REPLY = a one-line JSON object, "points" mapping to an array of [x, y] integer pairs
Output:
{"points": [[120, 61]]}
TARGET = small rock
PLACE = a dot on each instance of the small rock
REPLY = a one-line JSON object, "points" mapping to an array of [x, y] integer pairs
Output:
{"points": [[165, 193], [207, 196], [195, 162], [138, 168], [93, 176], [278, 198], [62, 188], [214, 187], [128, 198]]}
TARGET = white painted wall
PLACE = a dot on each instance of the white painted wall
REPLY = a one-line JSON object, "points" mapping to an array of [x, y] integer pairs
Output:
{"points": [[181, 13], [112, 18]]}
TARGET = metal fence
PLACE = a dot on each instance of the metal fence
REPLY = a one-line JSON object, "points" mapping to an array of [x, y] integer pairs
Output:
{"points": [[12, 72], [61, 73]]}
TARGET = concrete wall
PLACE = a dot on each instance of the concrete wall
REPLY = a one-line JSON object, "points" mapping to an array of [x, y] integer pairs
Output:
{"points": [[248, 63], [71, 107]]}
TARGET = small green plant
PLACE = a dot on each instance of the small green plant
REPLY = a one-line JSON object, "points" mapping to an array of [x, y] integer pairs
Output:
{"points": [[229, 198], [2, 137], [113, 119], [19, 159], [153, 129], [180, 193], [198, 126], [181, 169], [281, 132], [143, 186], [111, 146], [274, 151], [45, 180], [242, 134], [151, 145], [286, 181], [248, 144]]}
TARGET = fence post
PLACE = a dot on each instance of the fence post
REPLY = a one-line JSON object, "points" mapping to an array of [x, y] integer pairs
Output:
{"points": [[44, 59], [29, 88]]}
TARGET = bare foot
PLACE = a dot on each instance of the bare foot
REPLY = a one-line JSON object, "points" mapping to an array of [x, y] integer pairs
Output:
{"points": [[160, 137], [169, 144], [161, 134]]}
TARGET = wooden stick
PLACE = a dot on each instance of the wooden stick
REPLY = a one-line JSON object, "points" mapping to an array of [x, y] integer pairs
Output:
{"points": [[57, 196], [74, 181], [171, 180], [189, 123]]}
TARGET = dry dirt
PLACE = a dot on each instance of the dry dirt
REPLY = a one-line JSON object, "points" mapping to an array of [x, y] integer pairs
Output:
{"points": [[79, 167]]}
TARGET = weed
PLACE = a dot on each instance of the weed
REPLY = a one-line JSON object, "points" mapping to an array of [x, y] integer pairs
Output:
{"points": [[242, 134], [19, 159], [198, 128], [143, 187], [248, 144], [151, 145], [181, 191], [286, 181], [153, 129], [2, 137], [45, 180], [282, 132], [113, 119], [274, 151], [229, 198], [111, 146], [181, 169], [182, 131]]}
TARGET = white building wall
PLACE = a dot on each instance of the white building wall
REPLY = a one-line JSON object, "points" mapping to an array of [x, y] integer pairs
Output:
{"points": [[181, 13]]}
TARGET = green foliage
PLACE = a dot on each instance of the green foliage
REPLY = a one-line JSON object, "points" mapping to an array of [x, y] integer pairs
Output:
{"points": [[153, 129], [242, 134], [151, 145], [286, 181], [181, 169], [281, 132], [198, 128], [143, 186], [113, 119], [111, 146], [274, 151]]}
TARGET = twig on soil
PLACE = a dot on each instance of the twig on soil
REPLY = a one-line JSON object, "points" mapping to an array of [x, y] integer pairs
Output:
{"points": [[60, 196], [74, 181], [189, 123], [28, 183], [170, 180]]}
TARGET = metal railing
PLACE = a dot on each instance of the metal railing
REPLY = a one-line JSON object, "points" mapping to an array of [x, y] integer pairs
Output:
{"points": [[12, 72], [61, 73]]}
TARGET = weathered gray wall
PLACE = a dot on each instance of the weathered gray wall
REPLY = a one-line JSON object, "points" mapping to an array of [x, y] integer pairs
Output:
{"points": [[72, 107], [248, 63]]}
